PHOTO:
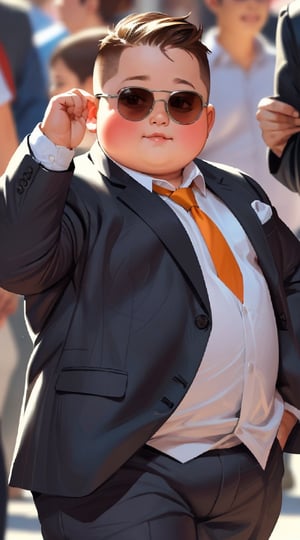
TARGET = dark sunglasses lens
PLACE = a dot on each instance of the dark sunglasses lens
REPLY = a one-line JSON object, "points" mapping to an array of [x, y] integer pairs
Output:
{"points": [[185, 107], [135, 103]]}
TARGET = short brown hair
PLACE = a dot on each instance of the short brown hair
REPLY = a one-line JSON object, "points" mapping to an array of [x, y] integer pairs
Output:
{"points": [[151, 28]]}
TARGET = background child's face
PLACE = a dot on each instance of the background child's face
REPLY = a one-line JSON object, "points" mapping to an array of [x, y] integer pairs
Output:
{"points": [[72, 13], [240, 17], [62, 79], [155, 145]]}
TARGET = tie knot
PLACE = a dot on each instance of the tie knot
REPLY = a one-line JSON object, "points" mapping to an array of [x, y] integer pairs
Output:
{"points": [[183, 196]]}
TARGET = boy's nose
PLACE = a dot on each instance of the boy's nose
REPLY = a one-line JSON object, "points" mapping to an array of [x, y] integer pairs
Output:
{"points": [[159, 113]]}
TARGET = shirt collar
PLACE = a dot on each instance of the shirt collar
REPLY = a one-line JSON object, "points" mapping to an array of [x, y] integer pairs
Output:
{"points": [[191, 173]]}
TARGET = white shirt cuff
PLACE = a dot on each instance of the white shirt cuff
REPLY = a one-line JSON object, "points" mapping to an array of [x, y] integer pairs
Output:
{"points": [[51, 156]]}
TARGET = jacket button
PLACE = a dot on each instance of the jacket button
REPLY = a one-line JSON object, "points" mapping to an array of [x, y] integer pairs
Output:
{"points": [[202, 321], [283, 321]]}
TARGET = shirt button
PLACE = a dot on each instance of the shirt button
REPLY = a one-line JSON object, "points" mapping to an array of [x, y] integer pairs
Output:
{"points": [[51, 158], [250, 367]]}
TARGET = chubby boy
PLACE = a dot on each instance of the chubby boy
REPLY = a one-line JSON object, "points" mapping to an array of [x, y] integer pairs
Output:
{"points": [[162, 293]]}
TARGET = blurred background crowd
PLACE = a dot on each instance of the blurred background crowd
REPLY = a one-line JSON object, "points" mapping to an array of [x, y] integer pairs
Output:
{"points": [[49, 46]]}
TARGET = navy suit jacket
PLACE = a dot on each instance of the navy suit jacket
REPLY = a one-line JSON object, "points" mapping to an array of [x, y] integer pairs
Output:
{"points": [[118, 310]]}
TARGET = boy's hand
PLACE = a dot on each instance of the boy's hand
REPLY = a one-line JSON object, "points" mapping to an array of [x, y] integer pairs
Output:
{"points": [[65, 118], [278, 122], [8, 304], [287, 423]]}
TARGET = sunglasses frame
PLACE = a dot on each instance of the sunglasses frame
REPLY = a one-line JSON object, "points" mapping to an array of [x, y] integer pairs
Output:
{"points": [[166, 102]]}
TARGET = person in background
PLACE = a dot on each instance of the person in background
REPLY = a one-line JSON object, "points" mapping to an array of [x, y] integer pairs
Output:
{"points": [[180, 8], [143, 416], [208, 19], [80, 14], [8, 300], [48, 31], [31, 94], [42, 13], [8, 132], [279, 116], [71, 66], [242, 66]]}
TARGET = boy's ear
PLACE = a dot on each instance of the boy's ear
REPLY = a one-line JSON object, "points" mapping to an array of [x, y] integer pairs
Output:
{"points": [[210, 114], [91, 121]]}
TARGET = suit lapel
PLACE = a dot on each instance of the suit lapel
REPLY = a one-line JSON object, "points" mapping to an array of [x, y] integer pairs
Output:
{"points": [[159, 217], [164, 222], [238, 196]]}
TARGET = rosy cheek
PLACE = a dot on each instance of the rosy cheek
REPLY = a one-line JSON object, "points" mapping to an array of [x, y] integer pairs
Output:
{"points": [[198, 130], [114, 129], [193, 137]]}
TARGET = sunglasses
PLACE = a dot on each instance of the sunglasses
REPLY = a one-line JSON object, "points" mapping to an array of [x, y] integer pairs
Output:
{"points": [[135, 104]]}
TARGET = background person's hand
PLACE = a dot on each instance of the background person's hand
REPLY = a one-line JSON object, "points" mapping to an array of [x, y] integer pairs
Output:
{"points": [[278, 122]]}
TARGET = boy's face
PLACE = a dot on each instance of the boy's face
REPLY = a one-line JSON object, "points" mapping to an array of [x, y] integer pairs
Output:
{"points": [[240, 17], [155, 145]]}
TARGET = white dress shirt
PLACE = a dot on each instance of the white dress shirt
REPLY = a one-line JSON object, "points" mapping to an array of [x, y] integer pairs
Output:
{"points": [[237, 377], [236, 138], [236, 381]]}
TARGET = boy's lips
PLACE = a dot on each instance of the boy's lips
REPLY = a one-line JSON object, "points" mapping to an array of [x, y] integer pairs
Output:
{"points": [[157, 137]]}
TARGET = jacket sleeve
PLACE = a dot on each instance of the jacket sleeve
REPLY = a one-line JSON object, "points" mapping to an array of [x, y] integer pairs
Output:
{"points": [[287, 89], [40, 231]]}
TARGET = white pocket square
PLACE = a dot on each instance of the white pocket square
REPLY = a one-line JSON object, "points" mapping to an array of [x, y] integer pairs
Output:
{"points": [[263, 211]]}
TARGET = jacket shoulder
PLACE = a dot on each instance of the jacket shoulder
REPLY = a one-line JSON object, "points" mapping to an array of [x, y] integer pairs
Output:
{"points": [[232, 174]]}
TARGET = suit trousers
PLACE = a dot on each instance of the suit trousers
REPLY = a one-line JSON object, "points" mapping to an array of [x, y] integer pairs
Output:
{"points": [[219, 495]]}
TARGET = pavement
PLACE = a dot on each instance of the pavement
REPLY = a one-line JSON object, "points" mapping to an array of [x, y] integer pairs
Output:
{"points": [[23, 523]]}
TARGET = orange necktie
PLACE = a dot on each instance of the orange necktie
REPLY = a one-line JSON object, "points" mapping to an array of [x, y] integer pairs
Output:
{"points": [[224, 261]]}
